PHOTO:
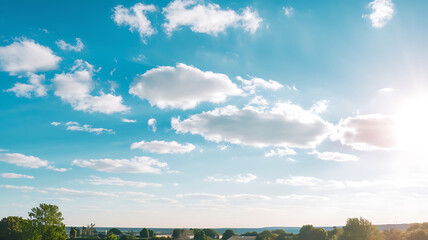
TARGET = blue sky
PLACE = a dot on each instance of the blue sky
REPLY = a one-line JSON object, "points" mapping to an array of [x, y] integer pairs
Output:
{"points": [[214, 113]]}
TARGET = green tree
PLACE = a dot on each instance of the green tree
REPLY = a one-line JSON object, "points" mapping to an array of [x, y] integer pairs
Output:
{"points": [[199, 235], [308, 232], [46, 223], [111, 236], [265, 235], [115, 231], [152, 233], [334, 233], [360, 229], [393, 234], [211, 233], [144, 233], [14, 228], [279, 232], [417, 231], [227, 234], [175, 233]]}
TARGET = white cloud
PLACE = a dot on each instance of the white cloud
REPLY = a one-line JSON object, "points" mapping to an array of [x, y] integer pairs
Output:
{"points": [[55, 123], [320, 106], [79, 193], [68, 47], [302, 197], [163, 147], [299, 181], [58, 169], [25, 55], [208, 18], [321, 184], [240, 178], [334, 156], [252, 84], [367, 132], [135, 18], [128, 120], [288, 11], [34, 87], [152, 124], [22, 188], [381, 12], [386, 90], [133, 165], [27, 161], [222, 147], [23, 160], [182, 87], [74, 126], [75, 88], [114, 181], [285, 125], [16, 175], [280, 152]]}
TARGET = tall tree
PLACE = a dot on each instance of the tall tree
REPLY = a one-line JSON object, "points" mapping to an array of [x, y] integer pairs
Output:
{"points": [[211, 233], [199, 235], [115, 231], [46, 222], [227, 234], [360, 229], [393, 234], [151, 233], [144, 233], [14, 228], [417, 231]]}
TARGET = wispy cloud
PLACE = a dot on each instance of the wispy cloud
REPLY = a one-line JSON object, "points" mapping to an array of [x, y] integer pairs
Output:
{"points": [[240, 178], [16, 175], [163, 147], [114, 181], [68, 47], [75, 126], [133, 165]]}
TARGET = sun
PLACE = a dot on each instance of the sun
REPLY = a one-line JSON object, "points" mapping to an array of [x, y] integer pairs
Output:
{"points": [[411, 129]]}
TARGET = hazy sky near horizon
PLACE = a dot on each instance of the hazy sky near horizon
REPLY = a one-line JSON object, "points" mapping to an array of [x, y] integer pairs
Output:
{"points": [[193, 113]]}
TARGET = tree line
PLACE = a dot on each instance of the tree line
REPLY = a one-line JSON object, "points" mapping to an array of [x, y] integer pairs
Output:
{"points": [[45, 222]]}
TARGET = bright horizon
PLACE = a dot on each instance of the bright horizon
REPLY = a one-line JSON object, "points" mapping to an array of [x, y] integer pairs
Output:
{"points": [[197, 113]]}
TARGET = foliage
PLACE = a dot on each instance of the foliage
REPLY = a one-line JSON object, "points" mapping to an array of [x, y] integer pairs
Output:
{"points": [[417, 231], [13, 228], [152, 233], [227, 234], [144, 233], [115, 231], [211, 233], [265, 235], [393, 234], [46, 223], [181, 234], [279, 232], [111, 236], [360, 229], [199, 235], [308, 232], [334, 233]]}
